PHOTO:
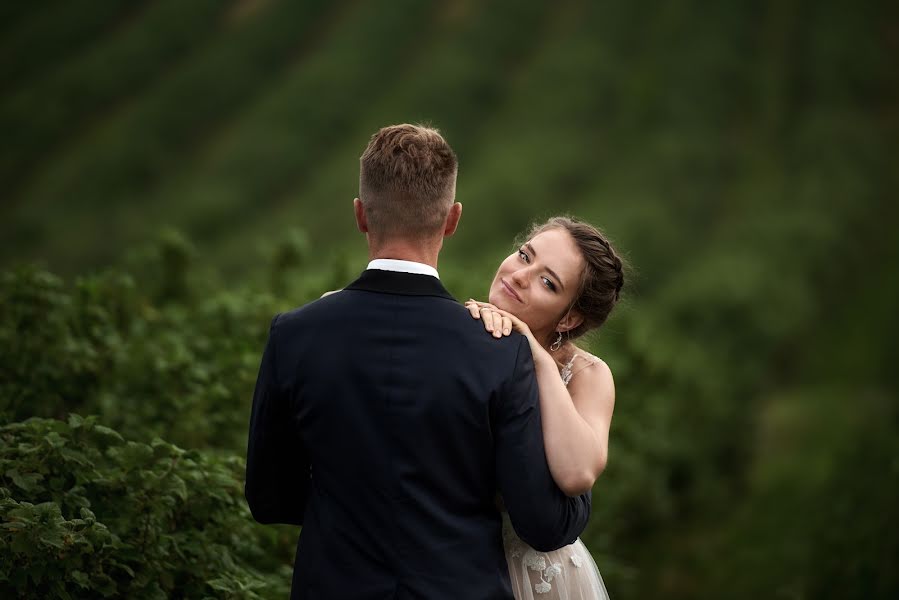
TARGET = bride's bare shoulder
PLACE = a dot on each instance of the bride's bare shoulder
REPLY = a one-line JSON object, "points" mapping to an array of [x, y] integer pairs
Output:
{"points": [[589, 372], [584, 360]]}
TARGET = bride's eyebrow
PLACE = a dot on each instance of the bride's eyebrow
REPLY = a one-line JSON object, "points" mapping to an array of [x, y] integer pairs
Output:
{"points": [[548, 270]]}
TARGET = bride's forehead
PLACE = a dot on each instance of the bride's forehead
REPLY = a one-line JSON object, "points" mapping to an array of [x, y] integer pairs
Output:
{"points": [[556, 246], [554, 242]]}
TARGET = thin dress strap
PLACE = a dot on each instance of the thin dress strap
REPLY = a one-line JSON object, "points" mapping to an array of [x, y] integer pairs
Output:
{"points": [[567, 372]]}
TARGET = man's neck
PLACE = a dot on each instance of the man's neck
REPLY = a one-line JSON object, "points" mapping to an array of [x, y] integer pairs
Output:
{"points": [[424, 253]]}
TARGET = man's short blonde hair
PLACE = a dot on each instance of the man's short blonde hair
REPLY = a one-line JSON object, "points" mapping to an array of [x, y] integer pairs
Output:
{"points": [[407, 181]]}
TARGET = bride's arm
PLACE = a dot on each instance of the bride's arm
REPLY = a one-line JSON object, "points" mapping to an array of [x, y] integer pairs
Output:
{"points": [[576, 419]]}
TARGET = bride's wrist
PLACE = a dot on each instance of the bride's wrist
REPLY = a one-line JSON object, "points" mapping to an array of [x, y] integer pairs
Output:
{"points": [[542, 358]]}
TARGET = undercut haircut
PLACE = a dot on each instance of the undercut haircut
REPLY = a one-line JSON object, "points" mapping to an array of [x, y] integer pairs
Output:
{"points": [[407, 181]]}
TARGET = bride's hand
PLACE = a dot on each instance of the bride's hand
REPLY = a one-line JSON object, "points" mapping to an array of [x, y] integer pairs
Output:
{"points": [[497, 321]]}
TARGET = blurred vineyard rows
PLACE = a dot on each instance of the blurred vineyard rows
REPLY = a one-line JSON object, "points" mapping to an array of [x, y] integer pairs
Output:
{"points": [[742, 155]]}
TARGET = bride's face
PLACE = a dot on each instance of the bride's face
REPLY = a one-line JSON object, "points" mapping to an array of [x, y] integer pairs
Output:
{"points": [[538, 282]]}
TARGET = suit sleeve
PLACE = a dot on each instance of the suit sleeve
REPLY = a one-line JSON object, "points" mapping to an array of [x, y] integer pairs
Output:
{"points": [[277, 481], [542, 515]]}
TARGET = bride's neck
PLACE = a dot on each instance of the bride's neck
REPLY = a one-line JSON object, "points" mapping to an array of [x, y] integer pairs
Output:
{"points": [[563, 354]]}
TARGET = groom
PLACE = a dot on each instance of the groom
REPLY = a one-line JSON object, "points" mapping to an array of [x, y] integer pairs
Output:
{"points": [[385, 420]]}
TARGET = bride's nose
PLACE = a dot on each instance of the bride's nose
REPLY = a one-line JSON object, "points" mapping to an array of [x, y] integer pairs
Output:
{"points": [[520, 278]]}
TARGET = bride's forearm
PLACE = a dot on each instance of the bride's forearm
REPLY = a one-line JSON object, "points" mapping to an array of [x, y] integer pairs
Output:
{"points": [[573, 451]]}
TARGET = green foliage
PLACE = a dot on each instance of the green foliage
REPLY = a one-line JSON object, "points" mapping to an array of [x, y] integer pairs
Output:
{"points": [[88, 81], [56, 344], [46, 36], [87, 513], [162, 358], [179, 361]]}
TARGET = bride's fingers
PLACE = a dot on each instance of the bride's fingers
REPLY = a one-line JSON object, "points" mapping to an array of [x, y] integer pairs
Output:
{"points": [[507, 325], [511, 322], [490, 321], [487, 317], [497, 324], [496, 321]]}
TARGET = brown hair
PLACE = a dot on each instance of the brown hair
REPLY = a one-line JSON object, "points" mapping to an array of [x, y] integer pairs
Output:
{"points": [[407, 181], [603, 277]]}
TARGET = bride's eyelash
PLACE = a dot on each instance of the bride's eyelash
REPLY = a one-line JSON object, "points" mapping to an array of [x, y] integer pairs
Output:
{"points": [[548, 283], [524, 255]]}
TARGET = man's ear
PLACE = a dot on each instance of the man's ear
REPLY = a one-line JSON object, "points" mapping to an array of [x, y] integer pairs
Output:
{"points": [[452, 219], [359, 211], [570, 321]]}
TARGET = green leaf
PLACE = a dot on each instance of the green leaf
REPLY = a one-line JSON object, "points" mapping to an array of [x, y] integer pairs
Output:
{"points": [[177, 486], [88, 515], [80, 578], [52, 538], [106, 431], [26, 481], [74, 456], [55, 440], [221, 585], [104, 584]]}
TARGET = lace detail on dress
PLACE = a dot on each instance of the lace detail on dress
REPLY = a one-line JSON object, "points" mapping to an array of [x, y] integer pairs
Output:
{"points": [[566, 371], [554, 575], [537, 562]]}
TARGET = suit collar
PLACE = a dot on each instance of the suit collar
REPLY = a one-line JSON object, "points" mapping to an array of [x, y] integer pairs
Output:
{"points": [[403, 266], [395, 282]]}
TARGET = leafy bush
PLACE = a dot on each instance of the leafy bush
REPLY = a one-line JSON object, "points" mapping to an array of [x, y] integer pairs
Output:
{"points": [[87, 513], [55, 344], [167, 358]]}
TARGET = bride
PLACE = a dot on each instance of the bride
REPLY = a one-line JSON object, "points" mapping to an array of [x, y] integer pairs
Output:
{"points": [[560, 284]]}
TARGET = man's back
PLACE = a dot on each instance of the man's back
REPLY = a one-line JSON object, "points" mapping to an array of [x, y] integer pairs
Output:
{"points": [[410, 419]]}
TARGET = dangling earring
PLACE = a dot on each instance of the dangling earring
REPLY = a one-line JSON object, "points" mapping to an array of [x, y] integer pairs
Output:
{"points": [[558, 343]]}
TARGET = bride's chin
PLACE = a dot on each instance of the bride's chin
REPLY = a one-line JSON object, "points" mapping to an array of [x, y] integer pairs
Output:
{"points": [[499, 302]]}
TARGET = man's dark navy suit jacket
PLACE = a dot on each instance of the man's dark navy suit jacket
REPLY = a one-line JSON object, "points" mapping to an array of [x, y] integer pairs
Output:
{"points": [[385, 420]]}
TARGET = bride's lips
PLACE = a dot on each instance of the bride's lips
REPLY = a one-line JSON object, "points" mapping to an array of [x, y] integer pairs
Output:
{"points": [[510, 291]]}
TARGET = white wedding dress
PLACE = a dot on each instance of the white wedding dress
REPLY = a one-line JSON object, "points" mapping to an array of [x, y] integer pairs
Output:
{"points": [[565, 574]]}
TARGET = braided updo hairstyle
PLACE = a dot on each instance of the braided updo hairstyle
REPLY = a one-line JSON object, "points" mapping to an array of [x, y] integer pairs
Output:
{"points": [[603, 277]]}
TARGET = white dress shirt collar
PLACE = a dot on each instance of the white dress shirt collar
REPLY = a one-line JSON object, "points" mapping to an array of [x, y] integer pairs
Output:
{"points": [[403, 266]]}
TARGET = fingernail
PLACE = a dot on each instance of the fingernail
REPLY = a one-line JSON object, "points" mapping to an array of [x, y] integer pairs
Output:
{"points": [[507, 331]]}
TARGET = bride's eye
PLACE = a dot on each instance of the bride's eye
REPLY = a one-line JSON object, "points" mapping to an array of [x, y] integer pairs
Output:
{"points": [[548, 283], [524, 256]]}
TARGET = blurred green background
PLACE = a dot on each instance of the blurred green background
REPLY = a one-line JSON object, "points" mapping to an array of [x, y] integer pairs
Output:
{"points": [[742, 155]]}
